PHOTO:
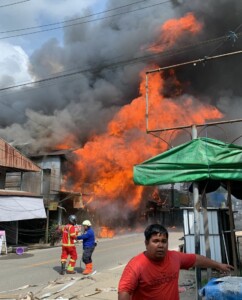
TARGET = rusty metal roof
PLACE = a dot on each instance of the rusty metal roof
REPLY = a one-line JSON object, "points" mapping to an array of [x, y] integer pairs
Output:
{"points": [[17, 193], [13, 159]]}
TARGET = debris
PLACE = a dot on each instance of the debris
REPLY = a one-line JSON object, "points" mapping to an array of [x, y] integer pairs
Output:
{"points": [[111, 289], [61, 280], [91, 294], [60, 290], [100, 290], [71, 282], [28, 296], [46, 295], [9, 296], [20, 288]]}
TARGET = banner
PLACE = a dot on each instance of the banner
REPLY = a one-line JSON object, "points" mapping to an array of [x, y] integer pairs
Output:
{"points": [[3, 243]]}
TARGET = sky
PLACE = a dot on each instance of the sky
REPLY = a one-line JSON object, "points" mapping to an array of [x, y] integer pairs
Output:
{"points": [[35, 15], [88, 87]]}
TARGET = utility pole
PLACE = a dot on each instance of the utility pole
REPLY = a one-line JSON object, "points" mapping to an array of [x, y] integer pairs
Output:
{"points": [[196, 215], [47, 223], [196, 203]]}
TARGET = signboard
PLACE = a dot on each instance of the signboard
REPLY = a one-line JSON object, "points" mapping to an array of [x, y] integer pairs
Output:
{"points": [[3, 243], [53, 205]]}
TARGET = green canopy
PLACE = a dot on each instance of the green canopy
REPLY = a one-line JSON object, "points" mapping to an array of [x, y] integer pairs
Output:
{"points": [[197, 160]]}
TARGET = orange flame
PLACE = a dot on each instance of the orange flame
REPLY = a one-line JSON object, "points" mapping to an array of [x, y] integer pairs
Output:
{"points": [[105, 163], [106, 232], [173, 29]]}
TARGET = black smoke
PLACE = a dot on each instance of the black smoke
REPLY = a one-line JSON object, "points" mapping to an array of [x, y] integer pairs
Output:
{"points": [[106, 57]]}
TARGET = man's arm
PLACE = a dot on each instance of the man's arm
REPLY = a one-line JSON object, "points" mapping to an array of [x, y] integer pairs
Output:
{"points": [[123, 296], [204, 262]]}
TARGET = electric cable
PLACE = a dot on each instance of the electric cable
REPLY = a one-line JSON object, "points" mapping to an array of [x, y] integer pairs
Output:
{"points": [[71, 20], [114, 65], [80, 23], [14, 3]]}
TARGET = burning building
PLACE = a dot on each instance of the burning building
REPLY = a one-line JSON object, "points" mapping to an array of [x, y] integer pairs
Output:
{"points": [[100, 108]]}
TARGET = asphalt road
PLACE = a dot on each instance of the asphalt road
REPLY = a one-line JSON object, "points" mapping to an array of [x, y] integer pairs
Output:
{"points": [[42, 265], [37, 267]]}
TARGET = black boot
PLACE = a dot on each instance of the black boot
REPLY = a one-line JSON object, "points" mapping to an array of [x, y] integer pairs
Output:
{"points": [[63, 268]]}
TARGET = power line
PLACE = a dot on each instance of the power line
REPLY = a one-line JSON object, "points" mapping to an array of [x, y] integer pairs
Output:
{"points": [[117, 64], [14, 3], [112, 65], [84, 22], [71, 20], [181, 64], [194, 62]]}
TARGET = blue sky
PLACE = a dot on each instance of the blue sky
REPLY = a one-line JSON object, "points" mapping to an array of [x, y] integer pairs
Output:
{"points": [[16, 50]]}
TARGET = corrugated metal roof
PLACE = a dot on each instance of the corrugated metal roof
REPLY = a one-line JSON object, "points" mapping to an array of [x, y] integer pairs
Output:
{"points": [[12, 158], [17, 193], [63, 152], [214, 234]]}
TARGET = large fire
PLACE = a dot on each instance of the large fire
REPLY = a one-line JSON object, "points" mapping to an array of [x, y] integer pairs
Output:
{"points": [[105, 163], [173, 29]]}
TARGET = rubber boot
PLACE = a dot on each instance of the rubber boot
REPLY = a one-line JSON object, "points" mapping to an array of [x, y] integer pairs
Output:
{"points": [[88, 269], [63, 268], [70, 270]]}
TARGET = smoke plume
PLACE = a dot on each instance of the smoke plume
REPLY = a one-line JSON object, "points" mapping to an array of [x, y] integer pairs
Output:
{"points": [[107, 59]]}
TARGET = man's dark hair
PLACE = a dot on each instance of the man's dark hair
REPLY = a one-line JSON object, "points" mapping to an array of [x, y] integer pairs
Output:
{"points": [[154, 229]]}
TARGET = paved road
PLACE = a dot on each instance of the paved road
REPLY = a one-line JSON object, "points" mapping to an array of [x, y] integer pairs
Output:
{"points": [[41, 267]]}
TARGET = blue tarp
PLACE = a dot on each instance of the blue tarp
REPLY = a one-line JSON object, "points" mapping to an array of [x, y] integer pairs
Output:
{"points": [[225, 288]]}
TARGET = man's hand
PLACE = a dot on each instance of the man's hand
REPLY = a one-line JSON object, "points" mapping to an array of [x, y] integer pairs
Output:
{"points": [[224, 268], [204, 262]]}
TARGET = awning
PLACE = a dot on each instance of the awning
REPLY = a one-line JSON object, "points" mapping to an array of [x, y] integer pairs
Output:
{"points": [[197, 160], [14, 208]]}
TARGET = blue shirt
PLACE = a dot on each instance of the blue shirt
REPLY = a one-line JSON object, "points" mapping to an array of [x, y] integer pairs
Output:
{"points": [[88, 238]]}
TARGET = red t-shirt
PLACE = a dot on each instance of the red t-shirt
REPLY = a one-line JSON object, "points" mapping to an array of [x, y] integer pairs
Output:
{"points": [[146, 279]]}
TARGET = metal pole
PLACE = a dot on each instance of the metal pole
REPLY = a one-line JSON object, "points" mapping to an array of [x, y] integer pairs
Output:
{"points": [[231, 225], [147, 101], [194, 62], [17, 232], [196, 208], [197, 125], [47, 224]]}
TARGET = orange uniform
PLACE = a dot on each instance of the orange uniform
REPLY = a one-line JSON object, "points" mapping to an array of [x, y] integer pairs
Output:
{"points": [[69, 234]]}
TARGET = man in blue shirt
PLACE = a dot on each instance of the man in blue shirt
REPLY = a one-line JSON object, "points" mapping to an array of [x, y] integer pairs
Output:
{"points": [[89, 244]]}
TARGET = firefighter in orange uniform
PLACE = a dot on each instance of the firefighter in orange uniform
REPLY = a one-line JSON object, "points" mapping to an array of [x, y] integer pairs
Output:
{"points": [[69, 234]]}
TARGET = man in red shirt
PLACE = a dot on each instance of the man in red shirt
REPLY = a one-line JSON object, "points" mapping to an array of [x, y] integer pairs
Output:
{"points": [[154, 274], [69, 234]]}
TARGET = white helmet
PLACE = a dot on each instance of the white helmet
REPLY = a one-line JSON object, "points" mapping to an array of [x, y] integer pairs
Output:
{"points": [[86, 223]]}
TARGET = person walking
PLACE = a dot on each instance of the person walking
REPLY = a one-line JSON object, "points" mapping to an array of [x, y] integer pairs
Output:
{"points": [[154, 274], [89, 244], [69, 235]]}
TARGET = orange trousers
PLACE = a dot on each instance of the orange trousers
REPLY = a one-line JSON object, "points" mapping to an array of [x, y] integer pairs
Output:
{"points": [[69, 250]]}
